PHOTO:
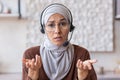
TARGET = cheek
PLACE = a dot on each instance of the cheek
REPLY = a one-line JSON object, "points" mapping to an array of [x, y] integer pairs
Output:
{"points": [[49, 36], [65, 34]]}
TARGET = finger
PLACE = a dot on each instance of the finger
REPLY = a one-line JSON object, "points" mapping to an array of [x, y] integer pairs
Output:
{"points": [[27, 64], [79, 64], [89, 61], [92, 61], [37, 60], [32, 63], [88, 66], [24, 60], [85, 67]]}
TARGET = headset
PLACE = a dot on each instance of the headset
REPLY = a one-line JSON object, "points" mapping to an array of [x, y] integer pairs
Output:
{"points": [[42, 25]]}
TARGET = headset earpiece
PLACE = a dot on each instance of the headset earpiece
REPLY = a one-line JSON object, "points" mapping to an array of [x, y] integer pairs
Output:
{"points": [[42, 30], [72, 28]]}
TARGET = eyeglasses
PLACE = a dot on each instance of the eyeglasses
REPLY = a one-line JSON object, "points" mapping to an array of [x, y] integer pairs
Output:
{"points": [[52, 26]]}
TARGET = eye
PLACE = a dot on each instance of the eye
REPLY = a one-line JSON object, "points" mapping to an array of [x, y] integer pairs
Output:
{"points": [[51, 25], [63, 23]]}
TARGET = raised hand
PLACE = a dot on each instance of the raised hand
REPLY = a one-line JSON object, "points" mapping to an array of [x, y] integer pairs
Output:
{"points": [[33, 66], [83, 67]]}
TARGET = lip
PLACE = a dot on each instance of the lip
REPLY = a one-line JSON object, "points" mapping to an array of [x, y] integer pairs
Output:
{"points": [[58, 38]]}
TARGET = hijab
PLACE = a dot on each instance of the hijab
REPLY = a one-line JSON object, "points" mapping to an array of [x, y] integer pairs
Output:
{"points": [[56, 60]]}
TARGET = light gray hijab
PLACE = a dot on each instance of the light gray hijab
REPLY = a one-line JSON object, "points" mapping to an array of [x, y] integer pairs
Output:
{"points": [[56, 60]]}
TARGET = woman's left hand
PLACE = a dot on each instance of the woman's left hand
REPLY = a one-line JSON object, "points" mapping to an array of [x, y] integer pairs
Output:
{"points": [[83, 67]]}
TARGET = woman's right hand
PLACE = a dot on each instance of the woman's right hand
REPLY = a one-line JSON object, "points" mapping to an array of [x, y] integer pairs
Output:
{"points": [[33, 66]]}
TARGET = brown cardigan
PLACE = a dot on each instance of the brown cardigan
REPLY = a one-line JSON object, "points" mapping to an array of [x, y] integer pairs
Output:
{"points": [[79, 53]]}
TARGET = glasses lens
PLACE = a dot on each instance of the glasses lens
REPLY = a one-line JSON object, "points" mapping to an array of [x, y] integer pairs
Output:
{"points": [[62, 26]]}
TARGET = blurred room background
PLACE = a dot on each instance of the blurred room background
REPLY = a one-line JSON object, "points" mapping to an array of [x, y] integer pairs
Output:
{"points": [[97, 29]]}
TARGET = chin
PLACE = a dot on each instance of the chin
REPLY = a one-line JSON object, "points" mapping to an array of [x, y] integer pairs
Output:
{"points": [[58, 44]]}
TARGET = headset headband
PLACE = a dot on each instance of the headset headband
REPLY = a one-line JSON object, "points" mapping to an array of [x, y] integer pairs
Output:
{"points": [[41, 17]]}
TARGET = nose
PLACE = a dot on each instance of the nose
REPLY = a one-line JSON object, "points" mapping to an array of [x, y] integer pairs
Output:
{"points": [[57, 29]]}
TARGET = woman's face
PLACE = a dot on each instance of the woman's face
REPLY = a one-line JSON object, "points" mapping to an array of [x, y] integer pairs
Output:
{"points": [[57, 29]]}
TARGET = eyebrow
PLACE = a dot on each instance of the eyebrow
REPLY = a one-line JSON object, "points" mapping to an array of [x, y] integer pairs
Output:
{"points": [[62, 19]]}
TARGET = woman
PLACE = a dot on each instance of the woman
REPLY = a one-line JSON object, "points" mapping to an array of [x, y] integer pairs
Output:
{"points": [[56, 58]]}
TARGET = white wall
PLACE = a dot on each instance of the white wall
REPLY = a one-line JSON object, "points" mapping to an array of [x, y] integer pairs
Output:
{"points": [[12, 44]]}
